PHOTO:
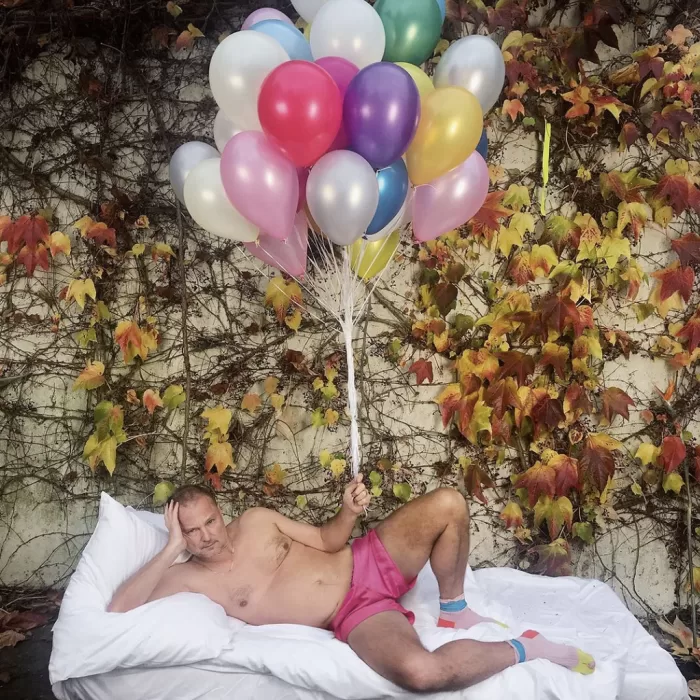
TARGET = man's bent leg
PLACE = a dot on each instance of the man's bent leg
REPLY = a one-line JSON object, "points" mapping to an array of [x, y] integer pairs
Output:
{"points": [[388, 643]]}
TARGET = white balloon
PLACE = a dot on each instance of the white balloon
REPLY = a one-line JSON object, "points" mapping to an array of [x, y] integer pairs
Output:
{"points": [[183, 160], [237, 70], [307, 9], [351, 29], [224, 130], [209, 206]]}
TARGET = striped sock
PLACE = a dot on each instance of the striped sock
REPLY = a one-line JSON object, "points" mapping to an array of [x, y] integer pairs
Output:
{"points": [[532, 645], [457, 614]]}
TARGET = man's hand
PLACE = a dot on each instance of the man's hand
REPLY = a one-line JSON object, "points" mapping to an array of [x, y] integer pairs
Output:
{"points": [[176, 541], [356, 498]]}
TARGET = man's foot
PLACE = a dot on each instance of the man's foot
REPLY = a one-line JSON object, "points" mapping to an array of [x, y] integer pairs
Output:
{"points": [[532, 645], [457, 614]]}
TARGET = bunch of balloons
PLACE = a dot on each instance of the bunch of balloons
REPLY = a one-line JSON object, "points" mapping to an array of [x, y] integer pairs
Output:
{"points": [[343, 132]]}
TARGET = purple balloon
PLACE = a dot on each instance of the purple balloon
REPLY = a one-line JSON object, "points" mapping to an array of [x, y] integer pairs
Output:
{"points": [[342, 72], [451, 199], [381, 113], [288, 256], [265, 13]]}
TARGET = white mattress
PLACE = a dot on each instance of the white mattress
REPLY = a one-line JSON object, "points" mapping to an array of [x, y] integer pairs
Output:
{"points": [[287, 662]]}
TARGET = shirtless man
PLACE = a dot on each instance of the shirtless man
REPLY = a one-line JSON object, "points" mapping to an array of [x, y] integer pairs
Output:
{"points": [[264, 568]]}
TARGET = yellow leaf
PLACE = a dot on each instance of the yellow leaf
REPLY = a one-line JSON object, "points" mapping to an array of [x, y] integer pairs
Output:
{"points": [[59, 243], [480, 421], [270, 385], [142, 222], [636, 489], [138, 249], [79, 289], [275, 475], [673, 303], [325, 459], [507, 238], [281, 295], [134, 340], [647, 453], [331, 417], [522, 222], [152, 400], [194, 31], [294, 321], [277, 401], [84, 225], [516, 197], [173, 8], [673, 482], [91, 377], [173, 396], [338, 467], [331, 373], [161, 250], [542, 260], [606, 441], [612, 249], [251, 402], [108, 454], [219, 419], [318, 384], [219, 455]]}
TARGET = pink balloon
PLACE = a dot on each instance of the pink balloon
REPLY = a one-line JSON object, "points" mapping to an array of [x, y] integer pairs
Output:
{"points": [[265, 13], [450, 200], [303, 175], [288, 256], [261, 183], [342, 72]]}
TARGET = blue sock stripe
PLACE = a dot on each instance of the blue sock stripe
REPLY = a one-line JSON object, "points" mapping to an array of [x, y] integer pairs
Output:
{"points": [[453, 606], [519, 648]]}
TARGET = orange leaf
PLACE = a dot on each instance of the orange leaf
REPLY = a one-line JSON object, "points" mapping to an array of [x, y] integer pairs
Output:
{"points": [[152, 400], [616, 403], [691, 332], [516, 364], [512, 108], [219, 456], [576, 402], [423, 369], [672, 453], [488, 217], [476, 479], [184, 41], [678, 35], [675, 278], [91, 377], [539, 480], [555, 356], [597, 463], [512, 515], [449, 402], [502, 394], [251, 402], [134, 341]]}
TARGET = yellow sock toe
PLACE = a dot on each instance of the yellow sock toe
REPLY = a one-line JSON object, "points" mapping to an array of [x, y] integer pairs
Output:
{"points": [[586, 663]]}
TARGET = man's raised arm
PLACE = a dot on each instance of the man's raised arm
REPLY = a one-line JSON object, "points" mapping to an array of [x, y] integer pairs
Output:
{"points": [[138, 589]]}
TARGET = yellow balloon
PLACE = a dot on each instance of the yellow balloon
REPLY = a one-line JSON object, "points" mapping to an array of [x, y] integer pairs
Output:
{"points": [[307, 31], [450, 128], [423, 82], [369, 258]]}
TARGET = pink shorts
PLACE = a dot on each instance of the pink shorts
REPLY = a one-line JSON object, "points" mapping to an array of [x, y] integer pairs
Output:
{"points": [[376, 585]]}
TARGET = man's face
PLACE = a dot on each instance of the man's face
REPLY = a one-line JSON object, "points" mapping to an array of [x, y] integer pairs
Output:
{"points": [[203, 527]]}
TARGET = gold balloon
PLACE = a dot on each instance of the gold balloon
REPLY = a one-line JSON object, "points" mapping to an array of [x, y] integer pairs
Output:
{"points": [[369, 258], [450, 128], [307, 31], [423, 82]]}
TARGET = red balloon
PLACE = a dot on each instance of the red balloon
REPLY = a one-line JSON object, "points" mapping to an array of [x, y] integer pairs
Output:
{"points": [[300, 110]]}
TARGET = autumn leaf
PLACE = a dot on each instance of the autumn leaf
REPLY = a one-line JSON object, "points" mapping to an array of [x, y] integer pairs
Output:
{"points": [[673, 482], [512, 108], [691, 331], [475, 479], [555, 356], [487, 218], [679, 192], [218, 422], [100, 233], [616, 403], [78, 290], [551, 559], [59, 243], [337, 467], [138, 249], [549, 412], [480, 363], [274, 479], [507, 238], [516, 364], [162, 251], [675, 278], [566, 475], [277, 401], [173, 9], [293, 320], [688, 249], [9, 638], [91, 377], [281, 295], [512, 515], [538, 480], [597, 461], [162, 492], [423, 369], [135, 341], [151, 400], [270, 385], [251, 402], [219, 456], [501, 395], [132, 398], [576, 402], [173, 396], [647, 453], [557, 513], [628, 135], [559, 312], [672, 453], [402, 491], [671, 117]]}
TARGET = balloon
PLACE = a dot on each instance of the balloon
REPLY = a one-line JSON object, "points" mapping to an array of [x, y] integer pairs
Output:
{"points": [[261, 183], [423, 82], [300, 110], [308, 9], [208, 205], [288, 256], [265, 13], [342, 72], [412, 29], [449, 129], [441, 5], [237, 70], [451, 200], [393, 188], [474, 63], [482, 148], [224, 129], [396, 223], [288, 37], [342, 195], [368, 259], [381, 113], [303, 177], [183, 160], [350, 29]]}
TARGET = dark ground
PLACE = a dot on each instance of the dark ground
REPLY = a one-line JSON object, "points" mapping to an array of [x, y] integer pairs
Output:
{"points": [[24, 669]]}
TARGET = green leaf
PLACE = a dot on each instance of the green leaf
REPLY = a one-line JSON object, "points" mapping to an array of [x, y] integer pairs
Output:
{"points": [[375, 478], [102, 311], [162, 492], [318, 418], [173, 396], [643, 311], [636, 489], [102, 411], [302, 502], [325, 458], [584, 531], [686, 436], [529, 121], [84, 338], [673, 482], [403, 492], [376, 491], [463, 323], [108, 453]]}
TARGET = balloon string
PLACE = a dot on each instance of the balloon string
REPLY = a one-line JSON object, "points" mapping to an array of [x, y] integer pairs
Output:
{"points": [[545, 166]]}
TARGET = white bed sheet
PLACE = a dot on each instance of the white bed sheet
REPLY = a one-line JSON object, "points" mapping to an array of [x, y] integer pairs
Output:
{"points": [[287, 662]]}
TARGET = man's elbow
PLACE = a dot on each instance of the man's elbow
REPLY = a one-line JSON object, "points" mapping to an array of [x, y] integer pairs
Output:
{"points": [[119, 606]]}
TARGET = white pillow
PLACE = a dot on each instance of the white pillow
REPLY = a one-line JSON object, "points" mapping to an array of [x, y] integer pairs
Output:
{"points": [[182, 629]]}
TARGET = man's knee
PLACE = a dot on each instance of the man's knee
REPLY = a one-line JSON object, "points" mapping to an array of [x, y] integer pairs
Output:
{"points": [[451, 503], [418, 673]]}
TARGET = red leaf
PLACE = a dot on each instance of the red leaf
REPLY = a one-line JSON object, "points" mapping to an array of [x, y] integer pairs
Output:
{"points": [[31, 257], [423, 369], [501, 395], [566, 474], [213, 479], [103, 235], [552, 559], [476, 479], [670, 118], [675, 278], [516, 364], [581, 47], [629, 134], [26, 231], [558, 312], [679, 192], [672, 453], [691, 331], [531, 324], [555, 356], [508, 14], [539, 480], [688, 248], [547, 411], [616, 403], [488, 216], [576, 400], [597, 463]]}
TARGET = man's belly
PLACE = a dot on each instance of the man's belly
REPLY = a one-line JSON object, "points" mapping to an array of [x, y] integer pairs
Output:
{"points": [[307, 589]]}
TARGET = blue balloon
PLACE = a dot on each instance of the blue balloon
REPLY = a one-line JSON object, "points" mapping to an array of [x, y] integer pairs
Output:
{"points": [[288, 36], [443, 10], [482, 148], [393, 188]]}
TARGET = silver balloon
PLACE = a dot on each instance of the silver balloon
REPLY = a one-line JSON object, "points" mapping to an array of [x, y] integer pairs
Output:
{"points": [[183, 160], [474, 63], [224, 130], [342, 194], [209, 206]]}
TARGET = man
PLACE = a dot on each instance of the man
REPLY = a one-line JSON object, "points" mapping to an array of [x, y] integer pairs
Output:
{"points": [[264, 568]]}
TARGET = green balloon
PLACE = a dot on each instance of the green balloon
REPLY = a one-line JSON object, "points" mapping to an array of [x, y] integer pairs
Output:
{"points": [[412, 29]]}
